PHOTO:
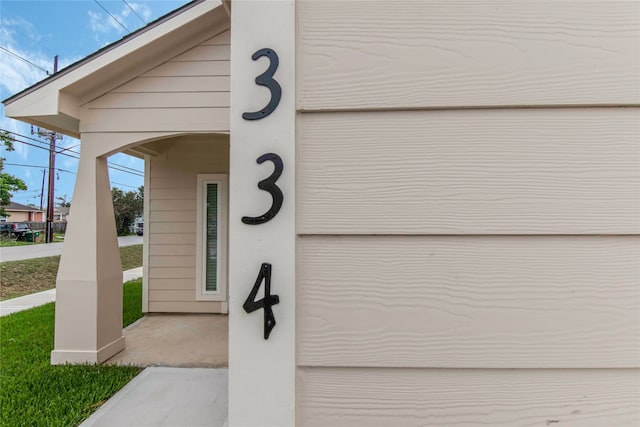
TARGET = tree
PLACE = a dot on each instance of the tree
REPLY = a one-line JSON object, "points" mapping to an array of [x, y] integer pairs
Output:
{"points": [[8, 183], [126, 207], [63, 202]]}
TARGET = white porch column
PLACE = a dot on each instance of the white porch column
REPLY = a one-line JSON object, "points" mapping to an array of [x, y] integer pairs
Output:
{"points": [[88, 326], [262, 371]]}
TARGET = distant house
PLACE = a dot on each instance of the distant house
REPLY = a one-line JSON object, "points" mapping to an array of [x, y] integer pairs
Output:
{"points": [[61, 214], [17, 212]]}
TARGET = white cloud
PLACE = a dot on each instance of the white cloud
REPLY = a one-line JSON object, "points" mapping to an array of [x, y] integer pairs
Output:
{"points": [[19, 68], [105, 26], [142, 9], [102, 24]]}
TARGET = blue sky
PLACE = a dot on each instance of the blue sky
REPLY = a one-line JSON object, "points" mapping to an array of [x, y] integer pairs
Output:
{"points": [[31, 34]]}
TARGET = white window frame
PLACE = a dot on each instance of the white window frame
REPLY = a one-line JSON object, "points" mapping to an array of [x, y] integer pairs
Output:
{"points": [[201, 235]]}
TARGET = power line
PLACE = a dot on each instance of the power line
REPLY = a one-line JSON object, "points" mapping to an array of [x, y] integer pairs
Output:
{"points": [[109, 13], [42, 148], [67, 149], [40, 167], [125, 185], [23, 59], [112, 165], [133, 10], [26, 137], [78, 158], [125, 167], [30, 39]]}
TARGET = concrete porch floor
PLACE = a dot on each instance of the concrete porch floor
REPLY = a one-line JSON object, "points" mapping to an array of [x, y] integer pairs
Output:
{"points": [[177, 340]]}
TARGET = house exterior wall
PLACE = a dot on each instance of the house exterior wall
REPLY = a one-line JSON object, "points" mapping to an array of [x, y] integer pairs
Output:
{"points": [[171, 228], [468, 223], [18, 216], [24, 216]]}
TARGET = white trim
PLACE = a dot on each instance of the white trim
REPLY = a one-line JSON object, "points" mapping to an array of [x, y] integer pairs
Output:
{"points": [[222, 180], [145, 234], [262, 373], [61, 357]]}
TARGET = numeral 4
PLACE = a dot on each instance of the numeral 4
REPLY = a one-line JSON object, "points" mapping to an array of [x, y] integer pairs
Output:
{"points": [[250, 304]]}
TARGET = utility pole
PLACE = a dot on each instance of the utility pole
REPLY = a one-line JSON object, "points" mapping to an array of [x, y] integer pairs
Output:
{"points": [[44, 171], [52, 137]]}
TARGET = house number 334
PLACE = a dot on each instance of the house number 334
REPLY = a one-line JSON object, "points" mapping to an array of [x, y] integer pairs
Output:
{"points": [[268, 184]]}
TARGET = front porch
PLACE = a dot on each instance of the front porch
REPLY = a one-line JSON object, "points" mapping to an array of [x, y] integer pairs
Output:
{"points": [[176, 340]]}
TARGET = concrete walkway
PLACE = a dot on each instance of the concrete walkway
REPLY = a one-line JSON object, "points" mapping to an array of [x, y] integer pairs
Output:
{"points": [[34, 300], [167, 397], [16, 253]]}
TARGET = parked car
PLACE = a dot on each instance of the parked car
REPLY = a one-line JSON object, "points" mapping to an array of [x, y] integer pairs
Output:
{"points": [[138, 226], [14, 229]]}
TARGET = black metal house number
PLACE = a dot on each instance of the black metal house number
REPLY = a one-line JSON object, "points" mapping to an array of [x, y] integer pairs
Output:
{"points": [[268, 184], [266, 79], [251, 305]]}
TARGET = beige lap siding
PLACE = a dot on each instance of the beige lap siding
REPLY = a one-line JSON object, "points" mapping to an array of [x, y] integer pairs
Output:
{"points": [[462, 260], [188, 93], [172, 220]]}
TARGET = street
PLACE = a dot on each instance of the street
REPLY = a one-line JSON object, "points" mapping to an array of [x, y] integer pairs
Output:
{"points": [[16, 253]]}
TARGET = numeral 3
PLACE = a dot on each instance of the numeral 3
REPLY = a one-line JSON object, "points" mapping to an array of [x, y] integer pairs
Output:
{"points": [[266, 79], [269, 184]]}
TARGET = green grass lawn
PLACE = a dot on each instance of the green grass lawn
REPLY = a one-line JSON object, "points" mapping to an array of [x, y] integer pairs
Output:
{"points": [[11, 241], [28, 276], [34, 393]]}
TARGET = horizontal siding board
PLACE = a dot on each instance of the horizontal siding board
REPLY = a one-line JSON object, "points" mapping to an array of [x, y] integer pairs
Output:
{"points": [[154, 100], [191, 69], [172, 261], [176, 195], [185, 307], [493, 171], [172, 227], [172, 273], [172, 295], [171, 205], [172, 239], [468, 301], [220, 39], [164, 178], [174, 216], [363, 55], [206, 52], [468, 397], [176, 84], [210, 119], [172, 284]]}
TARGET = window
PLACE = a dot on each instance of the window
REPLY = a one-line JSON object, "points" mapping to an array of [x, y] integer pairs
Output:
{"points": [[211, 239]]}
